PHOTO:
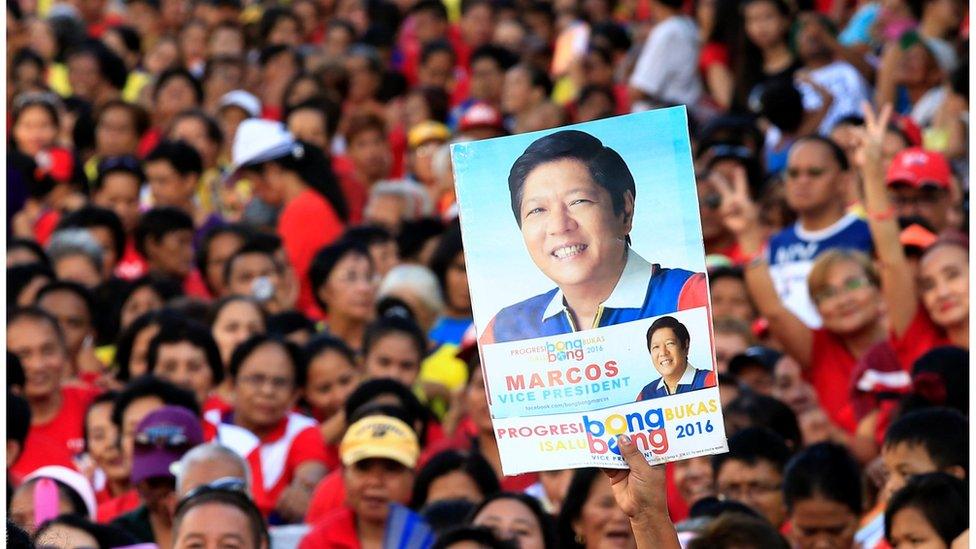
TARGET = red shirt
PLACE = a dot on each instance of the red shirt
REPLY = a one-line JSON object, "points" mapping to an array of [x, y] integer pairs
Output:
{"points": [[307, 224], [921, 336], [337, 530], [353, 189], [60, 439], [273, 459], [118, 506], [131, 265], [329, 496], [831, 368]]}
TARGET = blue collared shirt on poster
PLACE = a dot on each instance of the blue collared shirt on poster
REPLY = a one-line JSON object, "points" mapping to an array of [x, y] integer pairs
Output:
{"points": [[692, 380], [643, 291]]}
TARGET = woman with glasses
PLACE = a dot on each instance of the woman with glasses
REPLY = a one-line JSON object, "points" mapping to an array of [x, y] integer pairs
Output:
{"points": [[285, 450], [846, 292], [219, 516], [343, 281]]}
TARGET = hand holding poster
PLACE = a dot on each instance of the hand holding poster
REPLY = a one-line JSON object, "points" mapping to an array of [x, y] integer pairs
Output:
{"points": [[589, 293]]}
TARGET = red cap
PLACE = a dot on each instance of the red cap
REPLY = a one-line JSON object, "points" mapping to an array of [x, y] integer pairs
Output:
{"points": [[918, 167], [481, 115]]}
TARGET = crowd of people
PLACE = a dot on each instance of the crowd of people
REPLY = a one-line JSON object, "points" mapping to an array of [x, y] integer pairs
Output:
{"points": [[238, 312]]}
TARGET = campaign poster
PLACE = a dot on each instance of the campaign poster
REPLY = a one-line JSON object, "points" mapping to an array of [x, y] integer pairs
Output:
{"points": [[586, 266]]}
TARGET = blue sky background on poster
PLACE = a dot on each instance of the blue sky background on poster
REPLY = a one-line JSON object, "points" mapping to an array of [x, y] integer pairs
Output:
{"points": [[667, 230]]}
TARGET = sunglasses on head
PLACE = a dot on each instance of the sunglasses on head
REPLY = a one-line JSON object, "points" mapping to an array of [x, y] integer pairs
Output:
{"points": [[234, 486], [165, 436]]}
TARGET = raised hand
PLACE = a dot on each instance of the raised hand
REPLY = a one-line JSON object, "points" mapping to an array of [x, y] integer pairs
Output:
{"points": [[870, 139], [739, 212], [641, 493]]}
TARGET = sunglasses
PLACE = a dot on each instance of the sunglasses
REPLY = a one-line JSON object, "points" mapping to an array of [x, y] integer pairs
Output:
{"points": [[226, 484], [162, 437]]}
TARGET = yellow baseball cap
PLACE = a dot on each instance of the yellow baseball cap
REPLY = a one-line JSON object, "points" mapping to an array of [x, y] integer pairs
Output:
{"points": [[425, 131], [380, 437]]}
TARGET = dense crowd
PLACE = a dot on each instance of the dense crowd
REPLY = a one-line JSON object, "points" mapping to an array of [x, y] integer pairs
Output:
{"points": [[237, 306]]}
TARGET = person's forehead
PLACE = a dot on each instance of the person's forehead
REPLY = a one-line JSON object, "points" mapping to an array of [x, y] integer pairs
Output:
{"points": [[734, 468], [809, 151], [34, 326], [62, 300], [179, 348], [267, 359], [910, 452]]}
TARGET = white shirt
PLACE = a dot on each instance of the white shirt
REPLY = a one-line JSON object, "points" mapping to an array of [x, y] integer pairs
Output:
{"points": [[667, 69], [629, 293], [847, 86]]}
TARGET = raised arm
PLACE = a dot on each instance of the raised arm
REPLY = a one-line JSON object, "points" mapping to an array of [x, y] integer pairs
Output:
{"points": [[741, 217], [641, 492], [897, 285]]}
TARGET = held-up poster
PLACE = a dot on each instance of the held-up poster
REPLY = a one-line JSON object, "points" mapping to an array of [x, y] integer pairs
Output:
{"points": [[586, 265]]}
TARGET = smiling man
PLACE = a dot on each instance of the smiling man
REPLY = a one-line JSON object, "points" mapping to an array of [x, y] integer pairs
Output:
{"points": [[573, 199], [668, 342]]}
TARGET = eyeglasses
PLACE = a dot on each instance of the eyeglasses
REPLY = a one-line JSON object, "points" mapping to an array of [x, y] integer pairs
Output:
{"points": [[163, 436], [751, 490], [850, 285], [127, 163], [256, 381], [227, 484]]}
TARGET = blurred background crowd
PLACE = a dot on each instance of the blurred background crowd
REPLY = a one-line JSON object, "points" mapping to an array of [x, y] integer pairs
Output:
{"points": [[237, 304]]}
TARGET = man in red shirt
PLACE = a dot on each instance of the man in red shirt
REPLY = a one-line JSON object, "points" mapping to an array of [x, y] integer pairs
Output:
{"points": [[57, 411]]}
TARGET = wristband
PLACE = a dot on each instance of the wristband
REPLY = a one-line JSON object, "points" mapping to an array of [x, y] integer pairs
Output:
{"points": [[884, 215]]}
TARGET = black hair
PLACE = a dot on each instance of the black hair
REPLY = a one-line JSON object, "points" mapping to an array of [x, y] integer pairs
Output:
{"points": [[253, 343], [941, 378], [126, 338], [158, 222], [447, 250], [18, 417], [90, 217], [210, 125], [26, 56], [546, 525], [202, 256], [20, 276], [31, 246], [330, 110], [482, 536], [369, 390], [593, 90], [108, 397], [312, 165], [679, 329], [942, 498], [151, 386], [17, 538], [436, 46], [325, 261], [501, 56], [539, 78], [140, 117], [184, 158], [942, 432], [323, 343], [247, 249], [37, 314], [714, 507], [271, 17], [301, 76], [15, 374], [719, 273], [118, 164], [443, 463], [415, 234], [766, 411], [613, 35], [81, 292], [734, 530], [196, 335], [605, 165], [433, 7], [289, 322], [130, 37], [837, 153], [576, 495], [752, 445], [446, 514], [368, 235], [268, 53], [237, 500], [437, 101], [178, 72], [782, 105], [106, 536], [825, 470], [111, 67], [165, 289], [394, 325]]}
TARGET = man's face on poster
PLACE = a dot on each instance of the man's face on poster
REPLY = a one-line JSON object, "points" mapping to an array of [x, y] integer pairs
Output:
{"points": [[569, 225], [669, 354]]}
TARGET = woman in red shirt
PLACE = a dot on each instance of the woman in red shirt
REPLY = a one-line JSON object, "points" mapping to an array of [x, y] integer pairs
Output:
{"points": [[297, 177]]}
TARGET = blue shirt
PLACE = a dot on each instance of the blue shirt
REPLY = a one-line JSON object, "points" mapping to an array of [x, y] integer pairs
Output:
{"points": [[692, 380], [449, 330], [793, 251], [643, 291]]}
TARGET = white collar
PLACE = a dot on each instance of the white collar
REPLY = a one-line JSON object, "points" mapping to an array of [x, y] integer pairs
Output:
{"points": [[688, 377], [629, 293]]}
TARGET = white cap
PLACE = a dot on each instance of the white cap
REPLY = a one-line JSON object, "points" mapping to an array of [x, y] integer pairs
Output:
{"points": [[73, 479], [258, 140], [242, 100]]}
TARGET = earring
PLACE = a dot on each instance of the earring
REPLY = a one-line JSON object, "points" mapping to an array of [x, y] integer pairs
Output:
{"points": [[580, 539]]}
